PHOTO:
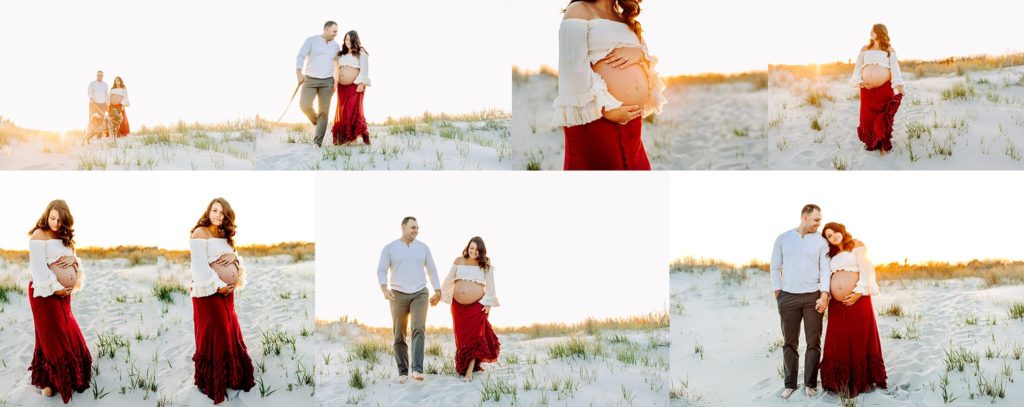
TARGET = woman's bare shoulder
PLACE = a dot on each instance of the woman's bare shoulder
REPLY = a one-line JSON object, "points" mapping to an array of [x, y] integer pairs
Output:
{"points": [[578, 10]]}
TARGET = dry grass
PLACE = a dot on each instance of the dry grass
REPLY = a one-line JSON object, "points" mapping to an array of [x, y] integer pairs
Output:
{"points": [[136, 255], [298, 251], [590, 326], [10, 132], [993, 272], [759, 79], [690, 264], [919, 68]]}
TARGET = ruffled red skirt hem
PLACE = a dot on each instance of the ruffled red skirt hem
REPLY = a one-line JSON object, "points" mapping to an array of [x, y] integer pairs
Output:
{"points": [[61, 360], [852, 360], [878, 107], [474, 337]]}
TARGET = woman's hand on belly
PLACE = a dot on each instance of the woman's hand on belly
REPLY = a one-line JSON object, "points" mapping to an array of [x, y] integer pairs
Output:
{"points": [[623, 114], [622, 58], [873, 76]]}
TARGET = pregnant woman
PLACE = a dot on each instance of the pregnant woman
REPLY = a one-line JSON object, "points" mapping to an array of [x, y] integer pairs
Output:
{"points": [[470, 283], [61, 362], [877, 74], [118, 101], [221, 359], [352, 76], [852, 361], [606, 85]]}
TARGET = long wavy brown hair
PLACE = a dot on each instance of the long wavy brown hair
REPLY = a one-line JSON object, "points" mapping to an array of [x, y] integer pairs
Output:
{"points": [[482, 260], [119, 83], [628, 11], [357, 46], [882, 35], [65, 230], [846, 245], [227, 226]]}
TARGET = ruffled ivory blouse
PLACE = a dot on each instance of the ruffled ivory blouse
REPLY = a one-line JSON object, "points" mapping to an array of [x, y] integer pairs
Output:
{"points": [[205, 281], [42, 253], [880, 58], [362, 63], [857, 261], [474, 274]]}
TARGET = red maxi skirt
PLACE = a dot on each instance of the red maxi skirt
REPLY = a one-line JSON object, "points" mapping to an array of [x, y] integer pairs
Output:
{"points": [[349, 122], [221, 360], [605, 145], [852, 359], [123, 130], [878, 108], [61, 360], [474, 338]]}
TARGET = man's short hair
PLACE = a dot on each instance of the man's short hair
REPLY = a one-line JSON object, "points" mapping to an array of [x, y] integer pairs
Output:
{"points": [[99, 71], [809, 208], [408, 219], [329, 24]]}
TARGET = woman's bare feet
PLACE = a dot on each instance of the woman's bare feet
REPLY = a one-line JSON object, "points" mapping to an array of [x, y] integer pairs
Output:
{"points": [[48, 392], [469, 371]]}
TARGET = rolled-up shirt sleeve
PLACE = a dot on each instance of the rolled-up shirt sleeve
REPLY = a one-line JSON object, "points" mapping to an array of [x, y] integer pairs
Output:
{"points": [[382, 267], [307, 46], [825, 272], [432, 271]]}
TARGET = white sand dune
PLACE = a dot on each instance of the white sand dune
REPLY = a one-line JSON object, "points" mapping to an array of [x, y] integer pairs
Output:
{"points": [[189, 150], [695, 130], [983, 129], [440, 145], [278, 297], [734, 323], [117, 300], [631, 369]]}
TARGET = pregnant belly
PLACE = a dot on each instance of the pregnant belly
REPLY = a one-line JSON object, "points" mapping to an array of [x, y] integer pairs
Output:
{"points": [[628, 85], [843, 283], [468, 292], [67, 276], [874, 75], [227, 273], [347, 75]]}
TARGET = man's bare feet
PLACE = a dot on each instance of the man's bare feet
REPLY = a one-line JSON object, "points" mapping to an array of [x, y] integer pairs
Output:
{"points": [[418, 376], [48, 392], [402, 379], [810, 391], [786, 393]]}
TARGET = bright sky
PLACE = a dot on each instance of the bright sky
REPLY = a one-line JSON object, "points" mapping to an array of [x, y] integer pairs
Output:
{"points": [[270, 207], [564, 246], [917, 215], [211, 61], [110, 208], [741, 35]]}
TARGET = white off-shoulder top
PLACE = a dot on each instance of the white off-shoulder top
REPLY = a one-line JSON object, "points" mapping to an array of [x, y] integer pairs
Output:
{"points": [[121, 92], [205, 281], [582, 93], [474, 274], [857, 261], [42, 253], [362, 63], [880, 58]]}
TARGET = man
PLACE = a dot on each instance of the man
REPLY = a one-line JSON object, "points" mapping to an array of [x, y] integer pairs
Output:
{"points": [[318, 53], [407, 258], [802, 294], [98, 97]]}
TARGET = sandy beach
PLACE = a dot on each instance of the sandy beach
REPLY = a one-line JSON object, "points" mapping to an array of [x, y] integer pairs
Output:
{"points": [[439, 142], [275, 311], [943, 341], [973, 120], [116, 311], [601, 367]]}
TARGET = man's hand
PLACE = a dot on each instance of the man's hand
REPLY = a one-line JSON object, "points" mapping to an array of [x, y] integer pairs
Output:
{"points": [[435, 298], [388, 295], [777, 293], [298, 76]]}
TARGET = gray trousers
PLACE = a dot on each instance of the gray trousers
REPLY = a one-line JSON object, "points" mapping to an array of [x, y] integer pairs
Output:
{"points": [[794, 309], [322, 89], [402, 307]]}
